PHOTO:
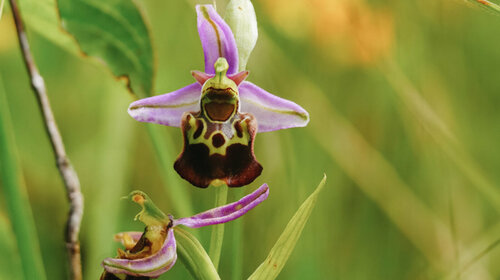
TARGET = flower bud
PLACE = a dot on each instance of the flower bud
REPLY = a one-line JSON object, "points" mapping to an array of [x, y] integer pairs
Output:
{"points": [[240, 16]]}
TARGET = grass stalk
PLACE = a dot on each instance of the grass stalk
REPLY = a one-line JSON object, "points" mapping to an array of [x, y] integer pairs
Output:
{"points": [[16, 198], [217, 237], [237, 244]]}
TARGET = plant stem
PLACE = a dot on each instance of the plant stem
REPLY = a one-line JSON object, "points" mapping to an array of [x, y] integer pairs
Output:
{"points": [[217, 236], [237, 248], [16, 199], [66, 170]]}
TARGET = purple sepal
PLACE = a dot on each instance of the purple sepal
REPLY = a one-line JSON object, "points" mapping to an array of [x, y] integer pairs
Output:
{"points": [[167, 109], [272, 112], [226, 213], [152, 266], [217, 39]]}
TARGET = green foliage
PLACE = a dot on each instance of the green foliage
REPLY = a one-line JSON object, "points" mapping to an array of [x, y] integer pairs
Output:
{"points": [[282, 249], [194, 257], [41, 16], [115, 33], [217, 236], [16, 199], [10, 268], [410, 202]]}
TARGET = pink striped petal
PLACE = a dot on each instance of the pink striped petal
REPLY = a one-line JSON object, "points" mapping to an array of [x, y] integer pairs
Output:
{"points": [[217, 39], [272, 112], [167, 109], [226, 213]]}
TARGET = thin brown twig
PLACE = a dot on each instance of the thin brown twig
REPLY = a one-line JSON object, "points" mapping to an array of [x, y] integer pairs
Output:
{"points": [[66, 170]]}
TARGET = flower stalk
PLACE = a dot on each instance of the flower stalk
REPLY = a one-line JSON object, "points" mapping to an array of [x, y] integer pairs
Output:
{"points": [[68, 173], [217, 236]]}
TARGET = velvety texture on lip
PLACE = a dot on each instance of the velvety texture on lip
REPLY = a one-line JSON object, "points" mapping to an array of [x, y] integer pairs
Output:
{"points": [[220, 153]]}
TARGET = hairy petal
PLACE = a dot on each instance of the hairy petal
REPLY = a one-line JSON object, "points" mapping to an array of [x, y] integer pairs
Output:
{"points": [[167, 109], [272, 112], [152, 266], [226, 213], [217, 39], [218, 152]]}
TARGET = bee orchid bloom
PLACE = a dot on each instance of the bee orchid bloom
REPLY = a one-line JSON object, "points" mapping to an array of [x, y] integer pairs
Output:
{"points": [[220, 113], [151, 253]]}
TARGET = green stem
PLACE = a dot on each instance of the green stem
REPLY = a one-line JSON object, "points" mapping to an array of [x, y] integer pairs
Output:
{"points": [[237, 247], [194, 257], [217, 236], [178, 195], [16, 198]]}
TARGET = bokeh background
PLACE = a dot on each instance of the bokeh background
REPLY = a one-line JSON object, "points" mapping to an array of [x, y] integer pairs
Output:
{"points": [[404, 99]]}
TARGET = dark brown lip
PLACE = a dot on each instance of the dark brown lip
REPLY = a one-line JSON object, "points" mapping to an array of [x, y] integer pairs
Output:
{"points": [[226, 94]]}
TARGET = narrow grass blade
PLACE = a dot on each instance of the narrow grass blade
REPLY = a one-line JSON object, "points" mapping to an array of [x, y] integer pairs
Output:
{"points": [[441, 133], [1, 8], [194, 257], [237, 243], [10, 268], [365, 165], [490, 6], [217, 236], [16, 198], [277, 258]]}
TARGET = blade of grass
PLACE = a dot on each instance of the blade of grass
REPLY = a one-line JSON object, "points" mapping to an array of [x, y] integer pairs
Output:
{"points": [[194, 257], [217, 237], [1, 8], [282, 249], [237, 243], [10, 268], [472, 253], [490, 6], [366, 166], [437, 128], [16, 197]]}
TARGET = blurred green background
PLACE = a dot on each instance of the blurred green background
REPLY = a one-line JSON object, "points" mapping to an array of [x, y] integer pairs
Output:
{"points": [[404, 99]]}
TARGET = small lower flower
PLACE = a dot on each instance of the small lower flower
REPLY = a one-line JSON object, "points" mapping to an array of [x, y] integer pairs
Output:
{"points": [[151, 253]]}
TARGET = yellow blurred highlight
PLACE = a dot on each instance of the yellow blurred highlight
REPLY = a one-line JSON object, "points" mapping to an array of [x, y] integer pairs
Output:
{"points": [[7, 33], [345, 30]]}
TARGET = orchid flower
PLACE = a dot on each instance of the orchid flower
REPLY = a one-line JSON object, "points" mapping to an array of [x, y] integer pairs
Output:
{"points": [[220, 113], [153, 252]]}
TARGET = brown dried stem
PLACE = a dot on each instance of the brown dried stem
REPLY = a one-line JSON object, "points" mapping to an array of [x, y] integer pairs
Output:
{"points": [[66, 170]]}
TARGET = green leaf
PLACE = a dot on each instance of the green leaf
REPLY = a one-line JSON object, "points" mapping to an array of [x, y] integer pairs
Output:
{"points": [[115, 33], [279, 254], [194, 257], [41, 16], [10, 267], [16, 198]]}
